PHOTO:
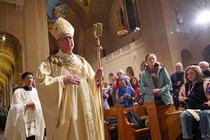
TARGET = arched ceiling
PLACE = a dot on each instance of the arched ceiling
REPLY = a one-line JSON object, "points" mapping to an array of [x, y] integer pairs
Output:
{"points": [[99, 12], [82, 14], [9, 50], [96, 11]]}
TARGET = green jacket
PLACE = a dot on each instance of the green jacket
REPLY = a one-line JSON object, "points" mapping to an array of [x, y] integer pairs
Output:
{"points": [[164, 84]]}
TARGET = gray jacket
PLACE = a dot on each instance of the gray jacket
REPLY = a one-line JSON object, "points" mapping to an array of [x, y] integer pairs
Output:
{"points": [[164, 84]]}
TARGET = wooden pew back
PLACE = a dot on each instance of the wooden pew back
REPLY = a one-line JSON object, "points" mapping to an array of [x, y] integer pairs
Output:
{"points": [[112, 112], [110, 130], [141, 110], [164, 122], [173, 123], [130, 132]]}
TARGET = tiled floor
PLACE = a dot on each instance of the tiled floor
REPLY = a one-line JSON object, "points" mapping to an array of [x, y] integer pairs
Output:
{"points": [[2, 135]]}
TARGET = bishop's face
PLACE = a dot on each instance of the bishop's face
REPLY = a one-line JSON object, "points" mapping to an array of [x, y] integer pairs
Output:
{"points": [[66, 43]]}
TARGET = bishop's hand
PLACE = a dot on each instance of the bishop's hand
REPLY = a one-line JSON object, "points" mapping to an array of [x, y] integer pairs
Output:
{"points": [[71, 78], [99, 74]]}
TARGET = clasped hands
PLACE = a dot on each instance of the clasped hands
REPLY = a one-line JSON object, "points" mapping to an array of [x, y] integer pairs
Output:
{"points": [[126, 95], [182, 98], [155, 91], [30, 105], [71, 78]]}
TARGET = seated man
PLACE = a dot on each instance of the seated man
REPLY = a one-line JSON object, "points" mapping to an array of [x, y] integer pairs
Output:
{"points": [[177, 79]]}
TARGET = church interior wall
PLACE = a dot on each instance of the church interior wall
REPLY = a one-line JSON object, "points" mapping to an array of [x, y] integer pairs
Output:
{"points": [[154, 31], [117, 41], [28, 24], [8, 16], [158, 34], [161, 33], [190, 35], [28, 30], [131, 55]]}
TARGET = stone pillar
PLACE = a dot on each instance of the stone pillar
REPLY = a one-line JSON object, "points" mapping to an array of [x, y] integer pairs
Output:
{"points": [[36, 47]]}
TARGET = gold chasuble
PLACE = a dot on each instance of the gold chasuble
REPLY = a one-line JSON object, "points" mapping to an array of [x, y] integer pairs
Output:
{"points": [[71, 111]]}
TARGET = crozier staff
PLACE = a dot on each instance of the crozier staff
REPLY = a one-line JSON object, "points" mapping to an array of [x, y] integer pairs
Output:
{"points": [[68, 91]]}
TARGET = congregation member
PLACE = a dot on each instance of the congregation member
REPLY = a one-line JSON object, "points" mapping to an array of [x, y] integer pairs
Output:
{"points": [[25, 120], [105, 95], [206, 74], [155, 82], [203, 65], [69, 92], [109, 91], [125, 94], [194, 94], [116, 85], [177, 79], [135, 85]]}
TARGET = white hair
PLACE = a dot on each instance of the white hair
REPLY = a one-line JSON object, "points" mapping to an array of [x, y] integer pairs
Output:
{"points": [[120, 70], [204, 63]]}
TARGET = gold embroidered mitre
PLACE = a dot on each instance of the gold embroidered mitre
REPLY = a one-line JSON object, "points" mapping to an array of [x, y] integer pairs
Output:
{"points": [[61, 27]]}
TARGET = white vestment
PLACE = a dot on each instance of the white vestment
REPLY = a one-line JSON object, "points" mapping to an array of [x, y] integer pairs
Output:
{"points": [[22, 122], [71, 111]]}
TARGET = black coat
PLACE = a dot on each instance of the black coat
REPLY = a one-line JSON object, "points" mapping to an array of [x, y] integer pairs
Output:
{"points": [[196, 95]]}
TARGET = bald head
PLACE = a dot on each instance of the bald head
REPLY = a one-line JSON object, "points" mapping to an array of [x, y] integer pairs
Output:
{"points": [[179, 67]]}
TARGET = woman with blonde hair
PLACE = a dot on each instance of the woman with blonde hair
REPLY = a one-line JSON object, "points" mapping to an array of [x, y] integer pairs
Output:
{"points": [[195, 99]]}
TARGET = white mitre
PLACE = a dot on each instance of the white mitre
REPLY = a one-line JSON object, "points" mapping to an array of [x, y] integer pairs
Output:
{"points": [[61, 27]]}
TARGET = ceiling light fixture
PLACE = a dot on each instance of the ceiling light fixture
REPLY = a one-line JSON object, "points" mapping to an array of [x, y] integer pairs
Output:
{"points": [[122, 30]]}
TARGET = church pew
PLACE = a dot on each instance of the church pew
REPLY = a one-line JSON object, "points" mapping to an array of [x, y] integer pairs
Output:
{"points": [[110, 130], [130, 132], [164, 122], [125, 129], [120, 122], [117, 111], [173, 123]]}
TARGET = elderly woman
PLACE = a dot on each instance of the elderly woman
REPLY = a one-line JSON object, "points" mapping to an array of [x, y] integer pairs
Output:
{"points": [[125, 94], [193, 96]]}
